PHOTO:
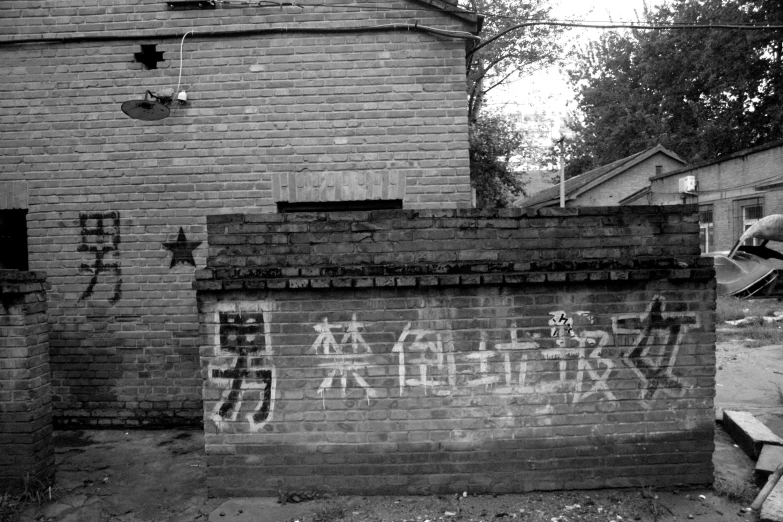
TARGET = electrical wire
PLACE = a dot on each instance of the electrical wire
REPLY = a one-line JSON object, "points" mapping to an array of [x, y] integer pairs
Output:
{"points": [[645, 26], [176, 92], [240, 33]]}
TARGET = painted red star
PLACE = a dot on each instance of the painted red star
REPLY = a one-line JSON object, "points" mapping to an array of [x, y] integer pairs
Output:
{"points": [[182, 249]]}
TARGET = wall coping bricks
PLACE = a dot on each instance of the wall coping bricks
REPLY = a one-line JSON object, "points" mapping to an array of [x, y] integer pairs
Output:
{"points": [[465, 246]]}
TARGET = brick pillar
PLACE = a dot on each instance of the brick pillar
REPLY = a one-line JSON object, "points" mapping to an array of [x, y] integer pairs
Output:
{"points": [[25, 391]]}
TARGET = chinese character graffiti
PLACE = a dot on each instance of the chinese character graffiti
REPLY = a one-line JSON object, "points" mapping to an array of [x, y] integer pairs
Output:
{"points": [[577, 361], [340, 363], [516, 346], [243, 369], [653, 354], [426, 354], [101, 237], [586, 347]]}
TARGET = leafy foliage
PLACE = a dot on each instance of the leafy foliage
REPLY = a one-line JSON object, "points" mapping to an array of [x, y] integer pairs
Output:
{"points": [[700, 92], [512, 55], [494, 141]]}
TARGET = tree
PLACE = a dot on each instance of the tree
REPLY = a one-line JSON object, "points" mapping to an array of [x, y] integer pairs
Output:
{"points": [[700, 92], [514, 54], [494, 142]]}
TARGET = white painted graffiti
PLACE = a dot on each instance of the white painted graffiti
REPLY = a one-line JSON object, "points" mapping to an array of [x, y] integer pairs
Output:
{"points": [[341, 364], [427, 359], [426, 353]]}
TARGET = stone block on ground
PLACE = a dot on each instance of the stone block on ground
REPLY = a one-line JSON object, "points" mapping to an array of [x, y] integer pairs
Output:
{"points": [[772, 510], [748, 432], [771, 457]]}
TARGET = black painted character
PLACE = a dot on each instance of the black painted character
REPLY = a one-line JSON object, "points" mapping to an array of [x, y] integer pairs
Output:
{"points": [[245, 369], [653, 356], [101, 237]]}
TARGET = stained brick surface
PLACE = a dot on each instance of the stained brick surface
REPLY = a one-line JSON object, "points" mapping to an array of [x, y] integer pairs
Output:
{"points": [[443, 351], [25, 391], [273, 94]]}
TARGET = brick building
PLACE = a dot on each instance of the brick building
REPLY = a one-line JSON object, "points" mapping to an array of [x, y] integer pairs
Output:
{"points": [[622, 182], [291, 106], [733, 192]]}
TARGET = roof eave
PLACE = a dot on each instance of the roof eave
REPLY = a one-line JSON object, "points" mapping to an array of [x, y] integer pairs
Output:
{"points": [[720, 159], [450, 9], [625, 166]]}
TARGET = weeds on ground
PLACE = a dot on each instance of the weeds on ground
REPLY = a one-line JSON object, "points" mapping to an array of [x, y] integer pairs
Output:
{"points": [[331, 512], [731, 308], [34, 491], [656, 508], [757, 335], [744, 493], [757, 332]]}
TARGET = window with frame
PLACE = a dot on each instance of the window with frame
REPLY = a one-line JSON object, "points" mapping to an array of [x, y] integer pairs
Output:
{"points": [[706, 234], [750, 213]]}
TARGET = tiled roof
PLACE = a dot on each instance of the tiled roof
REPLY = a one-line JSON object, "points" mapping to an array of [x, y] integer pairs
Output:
{"points": [[572, 185]]}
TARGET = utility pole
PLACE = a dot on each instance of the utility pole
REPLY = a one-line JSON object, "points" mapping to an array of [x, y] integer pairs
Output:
{"points": [[562, 172]]}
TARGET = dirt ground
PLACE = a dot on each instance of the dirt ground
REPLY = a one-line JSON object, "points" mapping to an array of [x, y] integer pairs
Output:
{"points": [[135, 476]]}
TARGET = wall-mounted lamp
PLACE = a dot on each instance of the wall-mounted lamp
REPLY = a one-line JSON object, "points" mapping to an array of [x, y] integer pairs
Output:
{"points": [[154, 106]]}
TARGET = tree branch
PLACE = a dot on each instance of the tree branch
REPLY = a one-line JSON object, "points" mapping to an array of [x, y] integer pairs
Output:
{"points": [[516, 69]]}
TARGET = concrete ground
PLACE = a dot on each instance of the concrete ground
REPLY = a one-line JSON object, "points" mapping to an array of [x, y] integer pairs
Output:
{"points": [[135, 476]]}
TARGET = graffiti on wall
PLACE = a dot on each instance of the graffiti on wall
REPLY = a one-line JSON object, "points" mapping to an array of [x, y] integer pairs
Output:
{"points": [[100, 236], [656, 337], [572, 359], [243, 368], [569, 356], [342, 363], [181, 249]]}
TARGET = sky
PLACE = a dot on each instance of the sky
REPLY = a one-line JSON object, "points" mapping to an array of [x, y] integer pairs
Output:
{"points": [[549, 89]]}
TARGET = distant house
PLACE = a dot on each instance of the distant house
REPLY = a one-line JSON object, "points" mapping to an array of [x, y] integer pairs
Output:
{"points": [[535, 181], [622, 182], [733, 192]]}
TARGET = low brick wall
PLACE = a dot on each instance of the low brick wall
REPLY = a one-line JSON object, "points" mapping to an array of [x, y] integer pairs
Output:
{"points": [[432, 352], [25, 394]]}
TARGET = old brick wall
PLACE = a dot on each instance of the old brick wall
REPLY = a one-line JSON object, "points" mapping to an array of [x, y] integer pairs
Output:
{"points": [[25, 393], [442, 351], [312, 99]]}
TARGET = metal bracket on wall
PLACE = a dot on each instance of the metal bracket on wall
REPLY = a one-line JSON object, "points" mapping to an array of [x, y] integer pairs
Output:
{"points": [[191, 4]]}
